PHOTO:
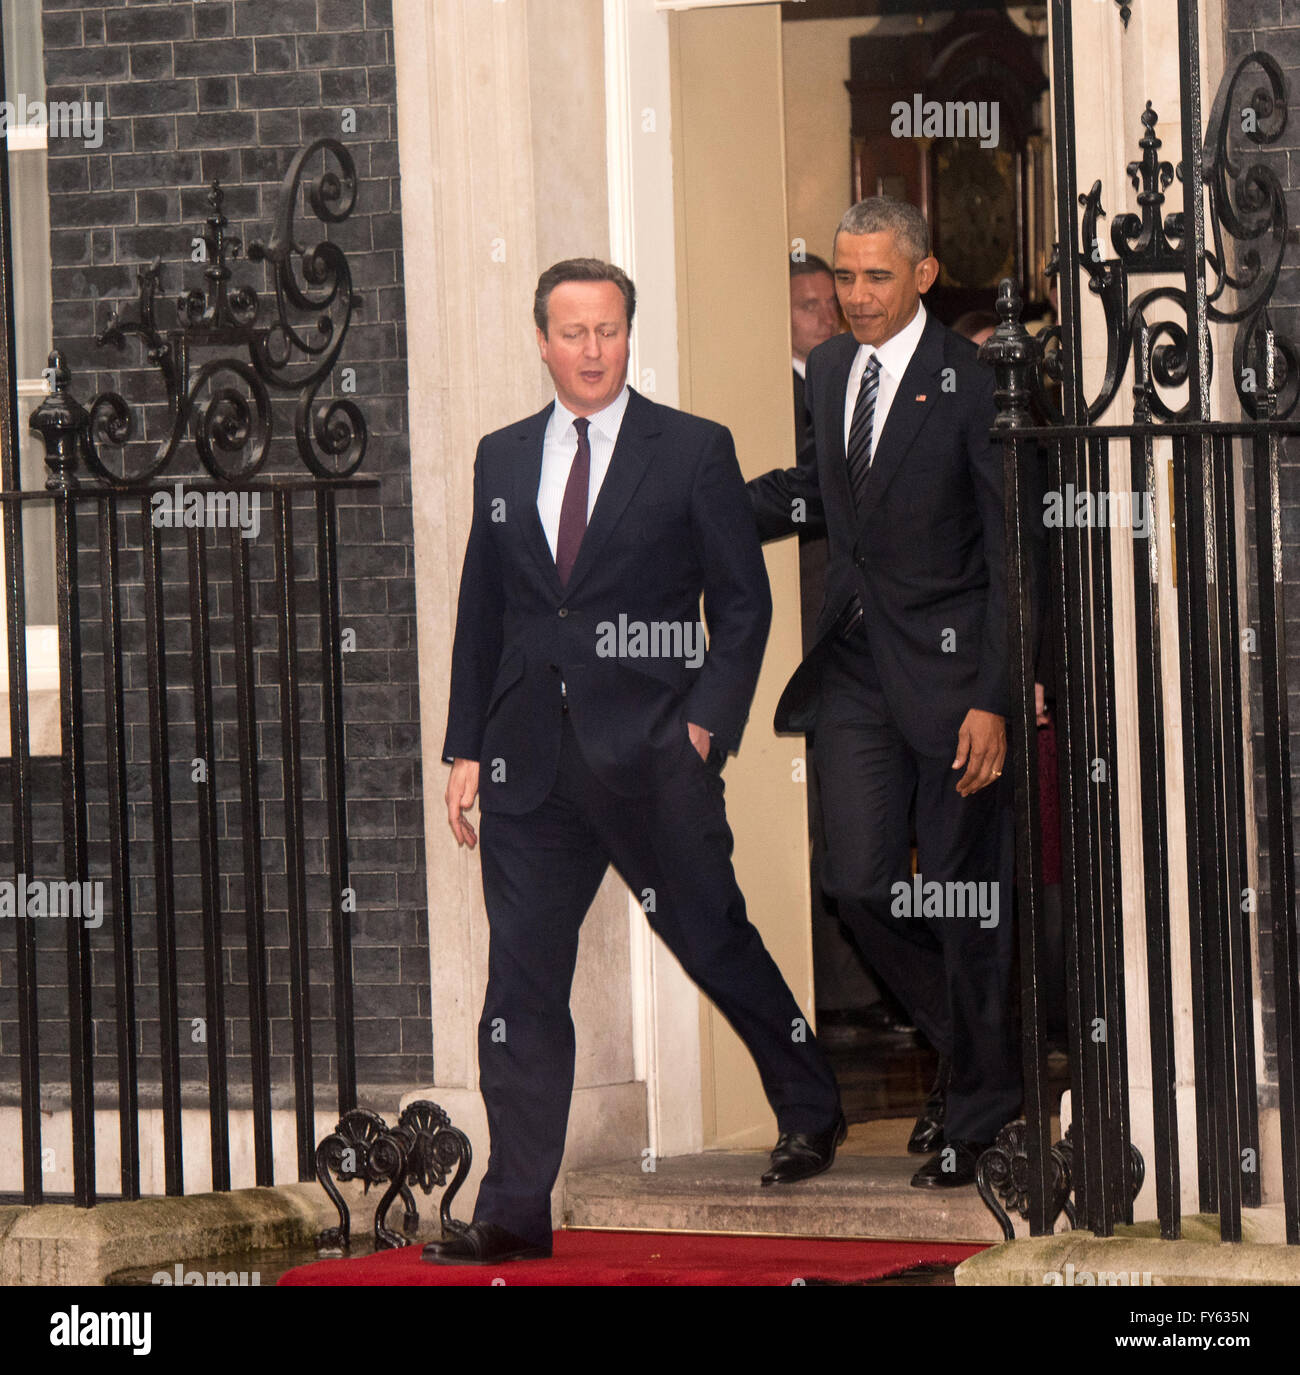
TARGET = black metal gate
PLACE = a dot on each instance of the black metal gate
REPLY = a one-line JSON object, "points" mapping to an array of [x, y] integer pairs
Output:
{"points": [[1227, 247], [134, 601]]}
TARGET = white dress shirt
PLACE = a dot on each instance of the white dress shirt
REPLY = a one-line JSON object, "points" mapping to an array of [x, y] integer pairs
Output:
{"points": [[560, 448], [894, 354]]}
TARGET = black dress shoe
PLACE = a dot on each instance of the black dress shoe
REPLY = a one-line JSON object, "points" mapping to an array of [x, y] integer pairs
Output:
{"points": [[927, 1134], [483, 1243], [953, 1167], [800, 1155]]}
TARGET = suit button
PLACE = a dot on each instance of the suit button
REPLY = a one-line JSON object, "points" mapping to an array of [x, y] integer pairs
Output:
{"points": [[564, 611], [555, 668], [860, 561]]}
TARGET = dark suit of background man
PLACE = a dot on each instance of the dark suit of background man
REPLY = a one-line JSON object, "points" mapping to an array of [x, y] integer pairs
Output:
{"points": [[594, 745], [907, 681]]}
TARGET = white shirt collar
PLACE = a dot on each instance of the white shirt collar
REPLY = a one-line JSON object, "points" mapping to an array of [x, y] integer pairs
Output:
{"points": [[896, 352], [800, 366], [607, 421]]}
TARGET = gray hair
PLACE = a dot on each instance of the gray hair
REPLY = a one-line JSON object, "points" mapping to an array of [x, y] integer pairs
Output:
{"points": [[880, 214]]}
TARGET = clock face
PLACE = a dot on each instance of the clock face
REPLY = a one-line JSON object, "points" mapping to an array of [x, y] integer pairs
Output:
{"points": [[976, 199]]}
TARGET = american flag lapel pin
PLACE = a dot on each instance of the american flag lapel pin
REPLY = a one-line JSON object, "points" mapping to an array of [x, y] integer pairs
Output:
{"points": [[921, 397]]}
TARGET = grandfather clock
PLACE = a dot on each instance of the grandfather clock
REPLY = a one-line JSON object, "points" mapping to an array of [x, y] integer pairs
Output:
{"points": [[989, 208]]}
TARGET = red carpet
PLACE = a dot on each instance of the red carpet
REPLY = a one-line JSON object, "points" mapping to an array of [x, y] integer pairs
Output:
{"points": [[649, 1258]]}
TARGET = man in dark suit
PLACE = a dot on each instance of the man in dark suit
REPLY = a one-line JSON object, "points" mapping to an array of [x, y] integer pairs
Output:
{"points": [[587, 707], [906, 684]]}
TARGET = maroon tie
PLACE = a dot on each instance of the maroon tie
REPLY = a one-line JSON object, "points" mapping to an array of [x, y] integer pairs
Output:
{"points": [[573, 513]]}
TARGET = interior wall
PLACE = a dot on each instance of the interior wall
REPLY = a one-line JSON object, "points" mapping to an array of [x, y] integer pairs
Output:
{"points": [[815, 59]]}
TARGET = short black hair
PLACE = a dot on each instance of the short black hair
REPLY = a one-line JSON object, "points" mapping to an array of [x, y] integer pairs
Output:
{"points": [[581, 270], [805, 267]]}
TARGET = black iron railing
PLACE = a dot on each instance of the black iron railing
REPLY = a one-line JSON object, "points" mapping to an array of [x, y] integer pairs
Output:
{"points": [[224, 404], [1234, 228]]}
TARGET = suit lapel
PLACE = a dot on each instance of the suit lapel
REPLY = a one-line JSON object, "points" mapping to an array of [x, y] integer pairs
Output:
{"points": [[530, 435], [627, 466], [915, 398]]}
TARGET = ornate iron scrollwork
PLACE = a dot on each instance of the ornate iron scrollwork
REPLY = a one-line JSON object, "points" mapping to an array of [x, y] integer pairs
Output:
{"points": [[1002, 1176], [225, 403], [347, 1154], [426, 1148], [1249, 205], [1145, 244], [421, 1151]]}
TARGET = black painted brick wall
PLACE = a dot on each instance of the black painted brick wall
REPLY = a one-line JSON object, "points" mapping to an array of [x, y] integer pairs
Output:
{"points": [[1274, 26], [192, 92]]}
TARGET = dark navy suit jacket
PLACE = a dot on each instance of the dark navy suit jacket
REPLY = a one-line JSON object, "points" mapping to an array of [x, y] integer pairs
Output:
{"points": [[672, 522], [925, 556]]}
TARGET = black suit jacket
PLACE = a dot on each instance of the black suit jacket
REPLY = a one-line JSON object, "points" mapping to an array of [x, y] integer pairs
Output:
{"points": [[925, 557], [672, 522]]}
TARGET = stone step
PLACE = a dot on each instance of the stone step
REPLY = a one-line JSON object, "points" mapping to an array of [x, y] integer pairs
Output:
{"points": [[866, 1194]]}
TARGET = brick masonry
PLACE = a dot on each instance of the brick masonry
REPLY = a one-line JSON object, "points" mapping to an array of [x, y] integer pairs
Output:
{"points": [[193, 92]]}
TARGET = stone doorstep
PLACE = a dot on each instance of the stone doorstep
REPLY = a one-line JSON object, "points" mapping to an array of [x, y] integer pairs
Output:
{"points": [[718, 1191], [1081, 1259], [56, 1243]]}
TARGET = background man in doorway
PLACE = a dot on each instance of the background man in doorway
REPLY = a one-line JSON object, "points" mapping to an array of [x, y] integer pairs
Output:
{"points": [[906, 684]]}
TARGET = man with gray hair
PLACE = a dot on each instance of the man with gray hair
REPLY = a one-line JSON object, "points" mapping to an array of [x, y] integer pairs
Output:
{"points": [[906, 682]]}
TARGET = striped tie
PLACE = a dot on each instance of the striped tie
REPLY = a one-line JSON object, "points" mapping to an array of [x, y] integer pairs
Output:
{"points": [[860, 431]]}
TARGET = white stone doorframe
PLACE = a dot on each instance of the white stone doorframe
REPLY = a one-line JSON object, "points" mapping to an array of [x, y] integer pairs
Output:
{"points": [[639, 173]]}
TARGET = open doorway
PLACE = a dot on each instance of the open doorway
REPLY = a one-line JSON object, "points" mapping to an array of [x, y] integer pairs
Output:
{"points": [[946, 109]]}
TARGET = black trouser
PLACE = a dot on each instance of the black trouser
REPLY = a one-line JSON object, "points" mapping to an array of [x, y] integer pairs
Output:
{"points": [[540, 874], [947, 959]]}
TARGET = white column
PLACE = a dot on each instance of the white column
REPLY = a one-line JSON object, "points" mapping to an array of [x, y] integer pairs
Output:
{"points": [[501, 174]]}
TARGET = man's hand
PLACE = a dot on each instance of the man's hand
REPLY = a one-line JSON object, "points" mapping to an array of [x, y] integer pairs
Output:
{"points": [[462, 789], [700, 738], [1040, 705], [982, 747]]}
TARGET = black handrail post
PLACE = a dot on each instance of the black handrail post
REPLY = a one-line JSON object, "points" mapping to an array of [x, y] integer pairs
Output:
{"points": [[1277, 772], [63, 425], [119, 825], [327, 572], [1155, 838], [1011, 352], [294, 857], [259, 1017]]}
